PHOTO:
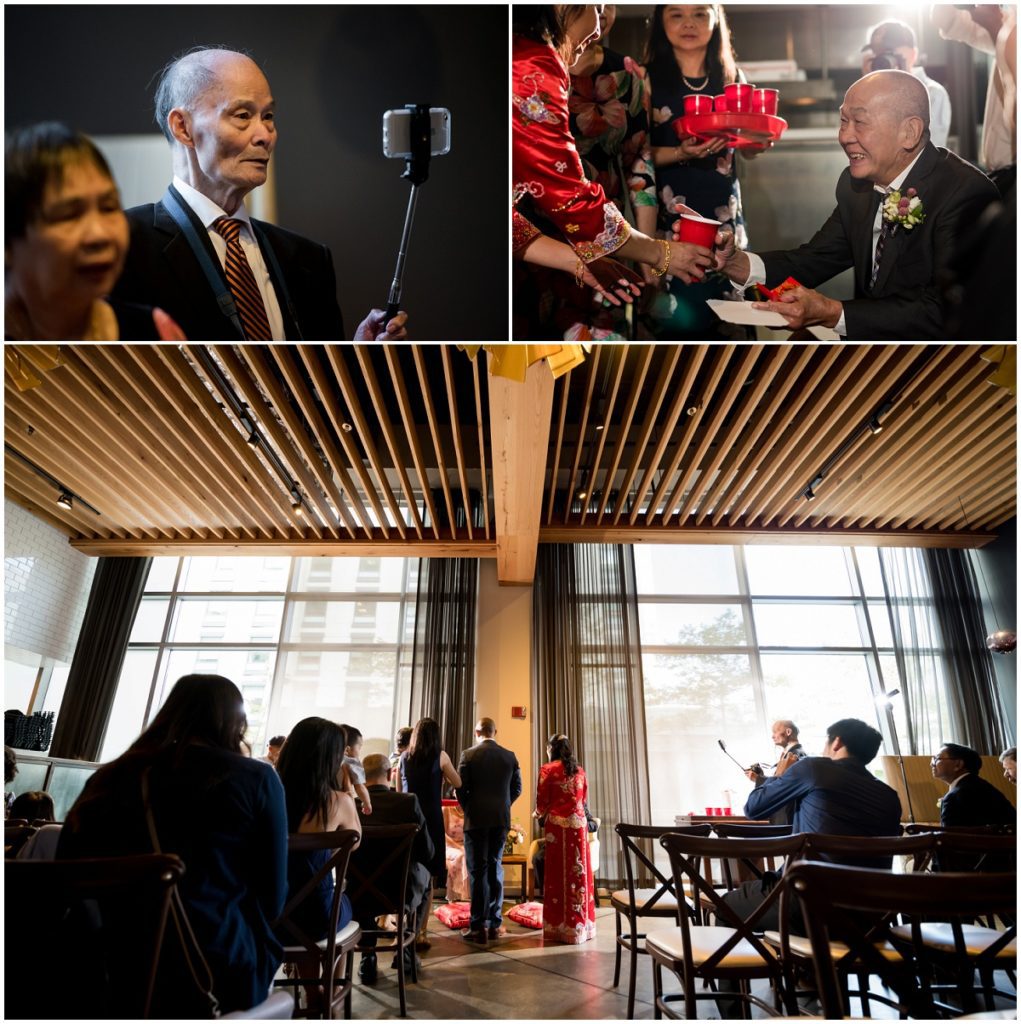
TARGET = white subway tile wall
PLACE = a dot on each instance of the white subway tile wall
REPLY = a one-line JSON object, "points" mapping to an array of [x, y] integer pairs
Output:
{"points": [[46, 586]]}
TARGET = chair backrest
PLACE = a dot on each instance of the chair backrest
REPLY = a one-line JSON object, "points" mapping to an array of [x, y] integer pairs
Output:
{"points": [[738, 830], [869, 851], [104, 920], [640, 867], [287, 927], [688, 854], [956, 850], [15, 837], [378, 870], [860, 907]]}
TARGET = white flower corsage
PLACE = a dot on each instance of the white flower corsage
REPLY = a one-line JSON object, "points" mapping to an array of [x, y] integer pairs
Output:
{"points": [[905, 210]]}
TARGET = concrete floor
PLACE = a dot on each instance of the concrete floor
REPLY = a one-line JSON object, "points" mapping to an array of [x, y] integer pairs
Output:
{"points": [[517, 978]]}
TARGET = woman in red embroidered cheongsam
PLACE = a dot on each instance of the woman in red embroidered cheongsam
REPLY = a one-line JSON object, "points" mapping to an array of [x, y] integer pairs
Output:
{"points": [[568, 889], [550, 187]]}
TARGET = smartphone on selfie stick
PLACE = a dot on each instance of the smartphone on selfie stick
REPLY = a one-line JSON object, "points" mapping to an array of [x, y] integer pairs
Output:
{"points": [[414, 134]]}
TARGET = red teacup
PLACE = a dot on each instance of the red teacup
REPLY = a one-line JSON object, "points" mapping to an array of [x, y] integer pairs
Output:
{"points": [[764, 101], [739, 97], [698, 230], [720, 103], [709, 812], [694, 104], [726, 812], [718, 812]]}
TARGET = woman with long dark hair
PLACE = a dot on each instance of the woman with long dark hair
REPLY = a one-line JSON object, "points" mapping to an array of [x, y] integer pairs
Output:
{"points": [[551, 189], [186, 785], [568, 891], [423, 768], [310, 767], [689, 52]]}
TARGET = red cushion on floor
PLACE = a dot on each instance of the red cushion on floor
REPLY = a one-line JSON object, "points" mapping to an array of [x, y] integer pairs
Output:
{"points": [[455, 915], [528, 914]]}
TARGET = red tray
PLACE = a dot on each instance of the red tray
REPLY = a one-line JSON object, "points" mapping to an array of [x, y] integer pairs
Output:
{"points": [[740, 130]]}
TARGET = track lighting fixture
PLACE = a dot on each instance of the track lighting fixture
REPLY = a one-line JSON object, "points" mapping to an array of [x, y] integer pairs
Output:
{"points": [[65, 500]]}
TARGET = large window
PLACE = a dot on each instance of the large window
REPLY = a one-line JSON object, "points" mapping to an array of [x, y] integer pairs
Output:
{"points": [[300, 637], [734, 638]]}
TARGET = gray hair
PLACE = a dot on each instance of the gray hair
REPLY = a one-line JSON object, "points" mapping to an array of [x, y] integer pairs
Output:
{"points": [[181, 81]]}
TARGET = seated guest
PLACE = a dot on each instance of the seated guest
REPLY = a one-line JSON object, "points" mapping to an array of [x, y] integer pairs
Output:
{"points": [[969, 800], [1009, 761], [65, 236], [898, 265], [35, 805], [353, 766], [310, 768], [185, 786], [390, 808], [273, 748], [43, 844], [10, 771], [197, 252], [784, 734]]}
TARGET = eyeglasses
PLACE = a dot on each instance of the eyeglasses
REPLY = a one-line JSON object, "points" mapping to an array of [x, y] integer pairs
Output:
{"points": [[936, 760]]}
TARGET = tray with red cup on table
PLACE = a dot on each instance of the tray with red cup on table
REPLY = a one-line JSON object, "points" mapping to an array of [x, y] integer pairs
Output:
{"points": [[742, 115]]}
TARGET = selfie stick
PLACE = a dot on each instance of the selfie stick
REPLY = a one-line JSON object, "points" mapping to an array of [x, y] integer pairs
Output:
{"points": [[723, 747], [416, 170]]}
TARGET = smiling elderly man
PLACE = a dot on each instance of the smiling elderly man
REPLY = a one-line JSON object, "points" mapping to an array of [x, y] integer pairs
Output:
{"points": [[884, 131], [197, 253]]}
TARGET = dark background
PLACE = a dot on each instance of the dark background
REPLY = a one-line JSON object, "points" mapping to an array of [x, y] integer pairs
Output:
{"points": [[333, 71]]}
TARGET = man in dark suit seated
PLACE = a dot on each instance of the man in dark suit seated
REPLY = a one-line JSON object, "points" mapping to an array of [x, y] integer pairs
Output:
{"points": [[899, 270], [970, 800], [197, 253], [392, 808], [490, 783]]}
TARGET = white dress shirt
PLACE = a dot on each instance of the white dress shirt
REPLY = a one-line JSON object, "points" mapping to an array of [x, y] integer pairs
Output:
{"points": [[939, 107], [207, 211], [757, 269]]}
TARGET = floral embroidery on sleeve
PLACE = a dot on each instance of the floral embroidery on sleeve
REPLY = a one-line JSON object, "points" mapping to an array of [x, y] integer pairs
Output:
{"points": [[535, 107]]}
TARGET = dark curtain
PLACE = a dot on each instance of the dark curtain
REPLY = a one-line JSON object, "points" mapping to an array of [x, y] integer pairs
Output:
{"points": [[945, 670], [443, 657], [976, 712], [587, 678], [96, 667]]}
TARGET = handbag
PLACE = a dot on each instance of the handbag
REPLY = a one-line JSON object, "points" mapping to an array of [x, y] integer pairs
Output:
{"points": [[590, 823], [198, 966]]}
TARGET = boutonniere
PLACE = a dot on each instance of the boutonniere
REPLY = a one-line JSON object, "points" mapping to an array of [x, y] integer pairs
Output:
{"points": [[905, 210]]}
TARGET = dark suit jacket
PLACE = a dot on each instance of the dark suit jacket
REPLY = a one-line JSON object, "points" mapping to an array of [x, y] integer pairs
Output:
{"points": [[973, 801], [161, 270], [490, 783], [906, 302], [392, 808]]}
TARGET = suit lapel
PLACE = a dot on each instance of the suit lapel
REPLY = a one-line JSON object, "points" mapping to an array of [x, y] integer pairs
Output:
{"points": [[864, 217], [292, 330]]}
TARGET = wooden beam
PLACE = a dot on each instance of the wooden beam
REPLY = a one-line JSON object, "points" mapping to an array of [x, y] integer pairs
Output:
{"points": [[377, 546], [674, 534], [519, 416]]}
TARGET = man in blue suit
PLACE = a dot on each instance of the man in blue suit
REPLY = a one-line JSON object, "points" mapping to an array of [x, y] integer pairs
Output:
{"points": [[490, 783]]}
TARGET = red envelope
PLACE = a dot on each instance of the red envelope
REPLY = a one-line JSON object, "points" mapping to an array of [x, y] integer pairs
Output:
{"points": [[773, 294]]}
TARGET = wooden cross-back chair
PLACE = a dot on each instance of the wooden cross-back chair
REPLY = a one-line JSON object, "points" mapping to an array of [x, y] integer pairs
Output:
{"points": [[378, 885], [636, 900], [731, 948], [321, 966], [869, 909]]}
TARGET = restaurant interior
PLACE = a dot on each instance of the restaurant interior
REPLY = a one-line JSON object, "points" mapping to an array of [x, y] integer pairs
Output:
{"points": [[655, 549]]}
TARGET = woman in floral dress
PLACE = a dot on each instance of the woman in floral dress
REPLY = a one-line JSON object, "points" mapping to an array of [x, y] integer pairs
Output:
{"points": [[569, 905]]}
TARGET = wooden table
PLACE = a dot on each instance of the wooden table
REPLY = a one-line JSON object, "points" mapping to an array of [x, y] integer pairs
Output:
{"points": [[517, 860]]}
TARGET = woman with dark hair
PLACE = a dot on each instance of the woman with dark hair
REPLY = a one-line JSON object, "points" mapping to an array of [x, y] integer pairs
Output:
{"points": [[569, 904], [551, 189], [65, 239], [689, 52], [186, 786], [311, 768], [35, 805], [423, 769]]}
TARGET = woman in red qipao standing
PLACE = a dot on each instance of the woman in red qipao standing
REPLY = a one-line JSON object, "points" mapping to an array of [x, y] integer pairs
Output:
{"points": [[551, 190], [569, 905]]}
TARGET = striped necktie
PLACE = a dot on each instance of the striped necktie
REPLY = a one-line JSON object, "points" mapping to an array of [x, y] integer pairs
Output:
{"points": [[242, 282], [884, 233]]}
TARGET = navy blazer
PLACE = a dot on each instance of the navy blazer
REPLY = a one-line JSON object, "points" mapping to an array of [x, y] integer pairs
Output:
{"points": [[161, 270], [490, 783], [907, 301], [973, 801]]}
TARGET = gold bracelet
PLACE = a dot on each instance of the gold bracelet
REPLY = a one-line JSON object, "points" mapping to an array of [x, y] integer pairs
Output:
{"points": [[666, 258], [579, 273]]}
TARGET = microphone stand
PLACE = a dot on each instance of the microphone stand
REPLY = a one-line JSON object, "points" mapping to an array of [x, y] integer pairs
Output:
{"points": [[416, 170]]}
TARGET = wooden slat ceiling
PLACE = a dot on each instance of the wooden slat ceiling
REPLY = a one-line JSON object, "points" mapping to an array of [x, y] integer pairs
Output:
{"points": [[395, 449]]}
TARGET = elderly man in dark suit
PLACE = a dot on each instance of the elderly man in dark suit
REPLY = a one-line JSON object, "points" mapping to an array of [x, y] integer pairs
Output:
{"points": [[898, 270], [490, 783], [970, 800], [197, 253], [392, 808]]}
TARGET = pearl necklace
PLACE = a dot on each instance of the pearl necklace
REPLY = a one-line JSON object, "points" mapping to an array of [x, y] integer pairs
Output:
{"points": [[696, 88]]}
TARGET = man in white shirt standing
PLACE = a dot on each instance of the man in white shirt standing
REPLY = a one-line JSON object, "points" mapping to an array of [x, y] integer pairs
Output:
{"points": [[892, 45]]}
